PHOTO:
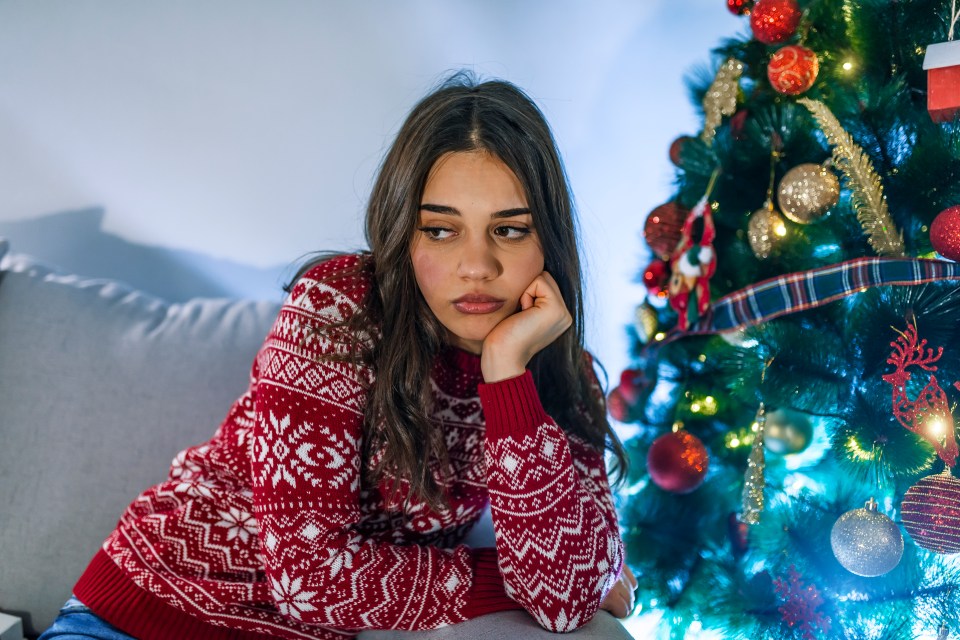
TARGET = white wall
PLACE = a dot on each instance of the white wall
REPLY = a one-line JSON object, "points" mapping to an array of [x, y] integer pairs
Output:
{"points": [[249, 130]]}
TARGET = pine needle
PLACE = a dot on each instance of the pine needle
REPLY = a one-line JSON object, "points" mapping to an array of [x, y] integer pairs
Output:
{"points": [[867, 189]]}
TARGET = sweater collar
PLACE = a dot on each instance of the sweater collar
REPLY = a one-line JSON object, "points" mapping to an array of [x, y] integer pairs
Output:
{"points": [[457, 372], [462, 361]]}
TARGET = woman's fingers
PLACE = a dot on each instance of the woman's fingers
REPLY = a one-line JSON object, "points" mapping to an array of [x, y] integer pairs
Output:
{"points": [[622, 597], [617, 604], [543, 317]]}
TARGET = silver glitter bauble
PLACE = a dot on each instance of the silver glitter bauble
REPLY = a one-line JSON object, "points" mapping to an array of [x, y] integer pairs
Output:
{"points": [[764, 229], [807, 192], [788, 431], [866, 542]]}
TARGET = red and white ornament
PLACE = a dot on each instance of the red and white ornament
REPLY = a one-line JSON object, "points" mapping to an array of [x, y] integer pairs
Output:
{"points": [[677, 462], [931, 513], [793, 69], [774, 21], [692, 265], [945, 233]]}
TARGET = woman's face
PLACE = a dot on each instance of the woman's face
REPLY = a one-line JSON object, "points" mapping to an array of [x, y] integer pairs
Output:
{"points": [[475, 249]]}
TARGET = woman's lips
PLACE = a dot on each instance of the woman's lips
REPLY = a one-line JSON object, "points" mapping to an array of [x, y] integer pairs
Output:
{"points": [[477, 304]]}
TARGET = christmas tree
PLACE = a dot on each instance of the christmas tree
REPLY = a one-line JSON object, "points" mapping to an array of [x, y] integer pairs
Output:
{"points": [[796, 364]]}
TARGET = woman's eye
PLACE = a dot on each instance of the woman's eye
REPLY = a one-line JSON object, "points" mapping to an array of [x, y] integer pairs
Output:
{"points": [[436, 233], [511, 233]]}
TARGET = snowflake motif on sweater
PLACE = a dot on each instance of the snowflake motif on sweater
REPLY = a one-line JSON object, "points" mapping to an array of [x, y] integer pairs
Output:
{"points": [[268, 529]]}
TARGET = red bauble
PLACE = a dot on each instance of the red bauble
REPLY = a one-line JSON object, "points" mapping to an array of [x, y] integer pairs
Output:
{"points": [[793, 69], [945, 233], [655, 276], [677, 462], [632, 384], [774, 21], [662, 228], [617, 405], [739, 7], [737, 121], [738, 533], [931, 511], [676, 150]]}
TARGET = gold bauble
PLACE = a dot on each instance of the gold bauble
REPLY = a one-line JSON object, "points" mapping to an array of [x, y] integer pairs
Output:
{"points": [[646, 322], [764, 229], [807, 192]]}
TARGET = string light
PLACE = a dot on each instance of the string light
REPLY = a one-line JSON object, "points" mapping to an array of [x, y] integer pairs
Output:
{"points": [[858, 452]]}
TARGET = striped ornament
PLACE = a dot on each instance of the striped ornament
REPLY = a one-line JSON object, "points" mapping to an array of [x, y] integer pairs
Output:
{"points": [[931, 513]]}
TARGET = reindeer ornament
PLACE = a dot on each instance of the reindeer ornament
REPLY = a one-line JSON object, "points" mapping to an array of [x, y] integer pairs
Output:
{"points": [[931, 508]]}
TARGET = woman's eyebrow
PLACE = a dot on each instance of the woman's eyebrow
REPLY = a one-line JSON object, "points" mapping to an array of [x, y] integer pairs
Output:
{"points": [[506, 213]]}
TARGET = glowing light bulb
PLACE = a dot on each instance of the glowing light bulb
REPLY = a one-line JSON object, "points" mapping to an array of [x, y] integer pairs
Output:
{"points": [[937, 427], [779, 228], [709, 405], [847, 66]]}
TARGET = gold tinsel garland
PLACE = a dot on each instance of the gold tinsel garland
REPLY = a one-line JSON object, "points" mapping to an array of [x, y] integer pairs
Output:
{"points": [[865, 185], [721, 98], [754, 481]]}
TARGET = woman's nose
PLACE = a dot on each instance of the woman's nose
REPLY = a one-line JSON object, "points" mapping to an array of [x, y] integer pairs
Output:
{"points": [[478, 261]]}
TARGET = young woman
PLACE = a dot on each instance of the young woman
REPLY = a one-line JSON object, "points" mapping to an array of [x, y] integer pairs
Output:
{"points": [[399, 393]]}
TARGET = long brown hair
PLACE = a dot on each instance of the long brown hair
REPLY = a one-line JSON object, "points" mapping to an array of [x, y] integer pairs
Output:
{"points": [[464, 115]]}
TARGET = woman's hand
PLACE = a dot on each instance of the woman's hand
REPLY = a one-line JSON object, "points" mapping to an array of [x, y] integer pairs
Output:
{"points": [[543, 317], [619, 602]]}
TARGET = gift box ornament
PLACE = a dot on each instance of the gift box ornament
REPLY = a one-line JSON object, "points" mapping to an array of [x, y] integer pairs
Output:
{"points": [[942, 63]]}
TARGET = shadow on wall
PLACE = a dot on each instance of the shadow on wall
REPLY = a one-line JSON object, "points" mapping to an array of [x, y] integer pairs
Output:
{"points": [[73, 242]]}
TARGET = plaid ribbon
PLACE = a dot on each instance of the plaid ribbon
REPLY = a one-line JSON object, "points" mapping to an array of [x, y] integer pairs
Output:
{"points": [[802, 290]]}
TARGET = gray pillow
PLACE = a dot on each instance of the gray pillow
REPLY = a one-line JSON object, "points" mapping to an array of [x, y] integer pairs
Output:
{"points": [[100, 386]]}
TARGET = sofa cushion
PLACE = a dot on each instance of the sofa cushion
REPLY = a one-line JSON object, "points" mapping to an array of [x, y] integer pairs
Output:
{"points": [[100, 387]]}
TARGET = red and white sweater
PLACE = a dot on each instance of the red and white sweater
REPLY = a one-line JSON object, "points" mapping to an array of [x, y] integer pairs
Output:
{"points": [[267, 529]]}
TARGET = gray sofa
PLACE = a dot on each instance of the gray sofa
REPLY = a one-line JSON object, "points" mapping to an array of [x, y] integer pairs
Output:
{"points": [[100, 386]]}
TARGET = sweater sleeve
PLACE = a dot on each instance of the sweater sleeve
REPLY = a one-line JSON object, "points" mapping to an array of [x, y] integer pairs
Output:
{"points": [[557, 538], [306, 488]]}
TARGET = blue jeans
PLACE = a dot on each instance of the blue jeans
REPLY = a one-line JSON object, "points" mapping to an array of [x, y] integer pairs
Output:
{"points": [[77, 622]]}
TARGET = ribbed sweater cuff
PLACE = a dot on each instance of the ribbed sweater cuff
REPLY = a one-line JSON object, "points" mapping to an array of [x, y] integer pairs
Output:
{"points": [[114, 597], [512, 407], [487, 594]]}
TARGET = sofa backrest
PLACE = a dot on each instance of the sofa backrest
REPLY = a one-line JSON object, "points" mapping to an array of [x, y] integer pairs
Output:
{"points": [[100, 387]]}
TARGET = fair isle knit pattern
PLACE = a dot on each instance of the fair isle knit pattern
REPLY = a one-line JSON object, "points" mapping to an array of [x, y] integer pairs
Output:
{"points": [[268, 530]]}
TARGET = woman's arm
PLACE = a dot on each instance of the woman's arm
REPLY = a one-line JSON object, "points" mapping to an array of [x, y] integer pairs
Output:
{"points": [[306, 490], [557, 538]]}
